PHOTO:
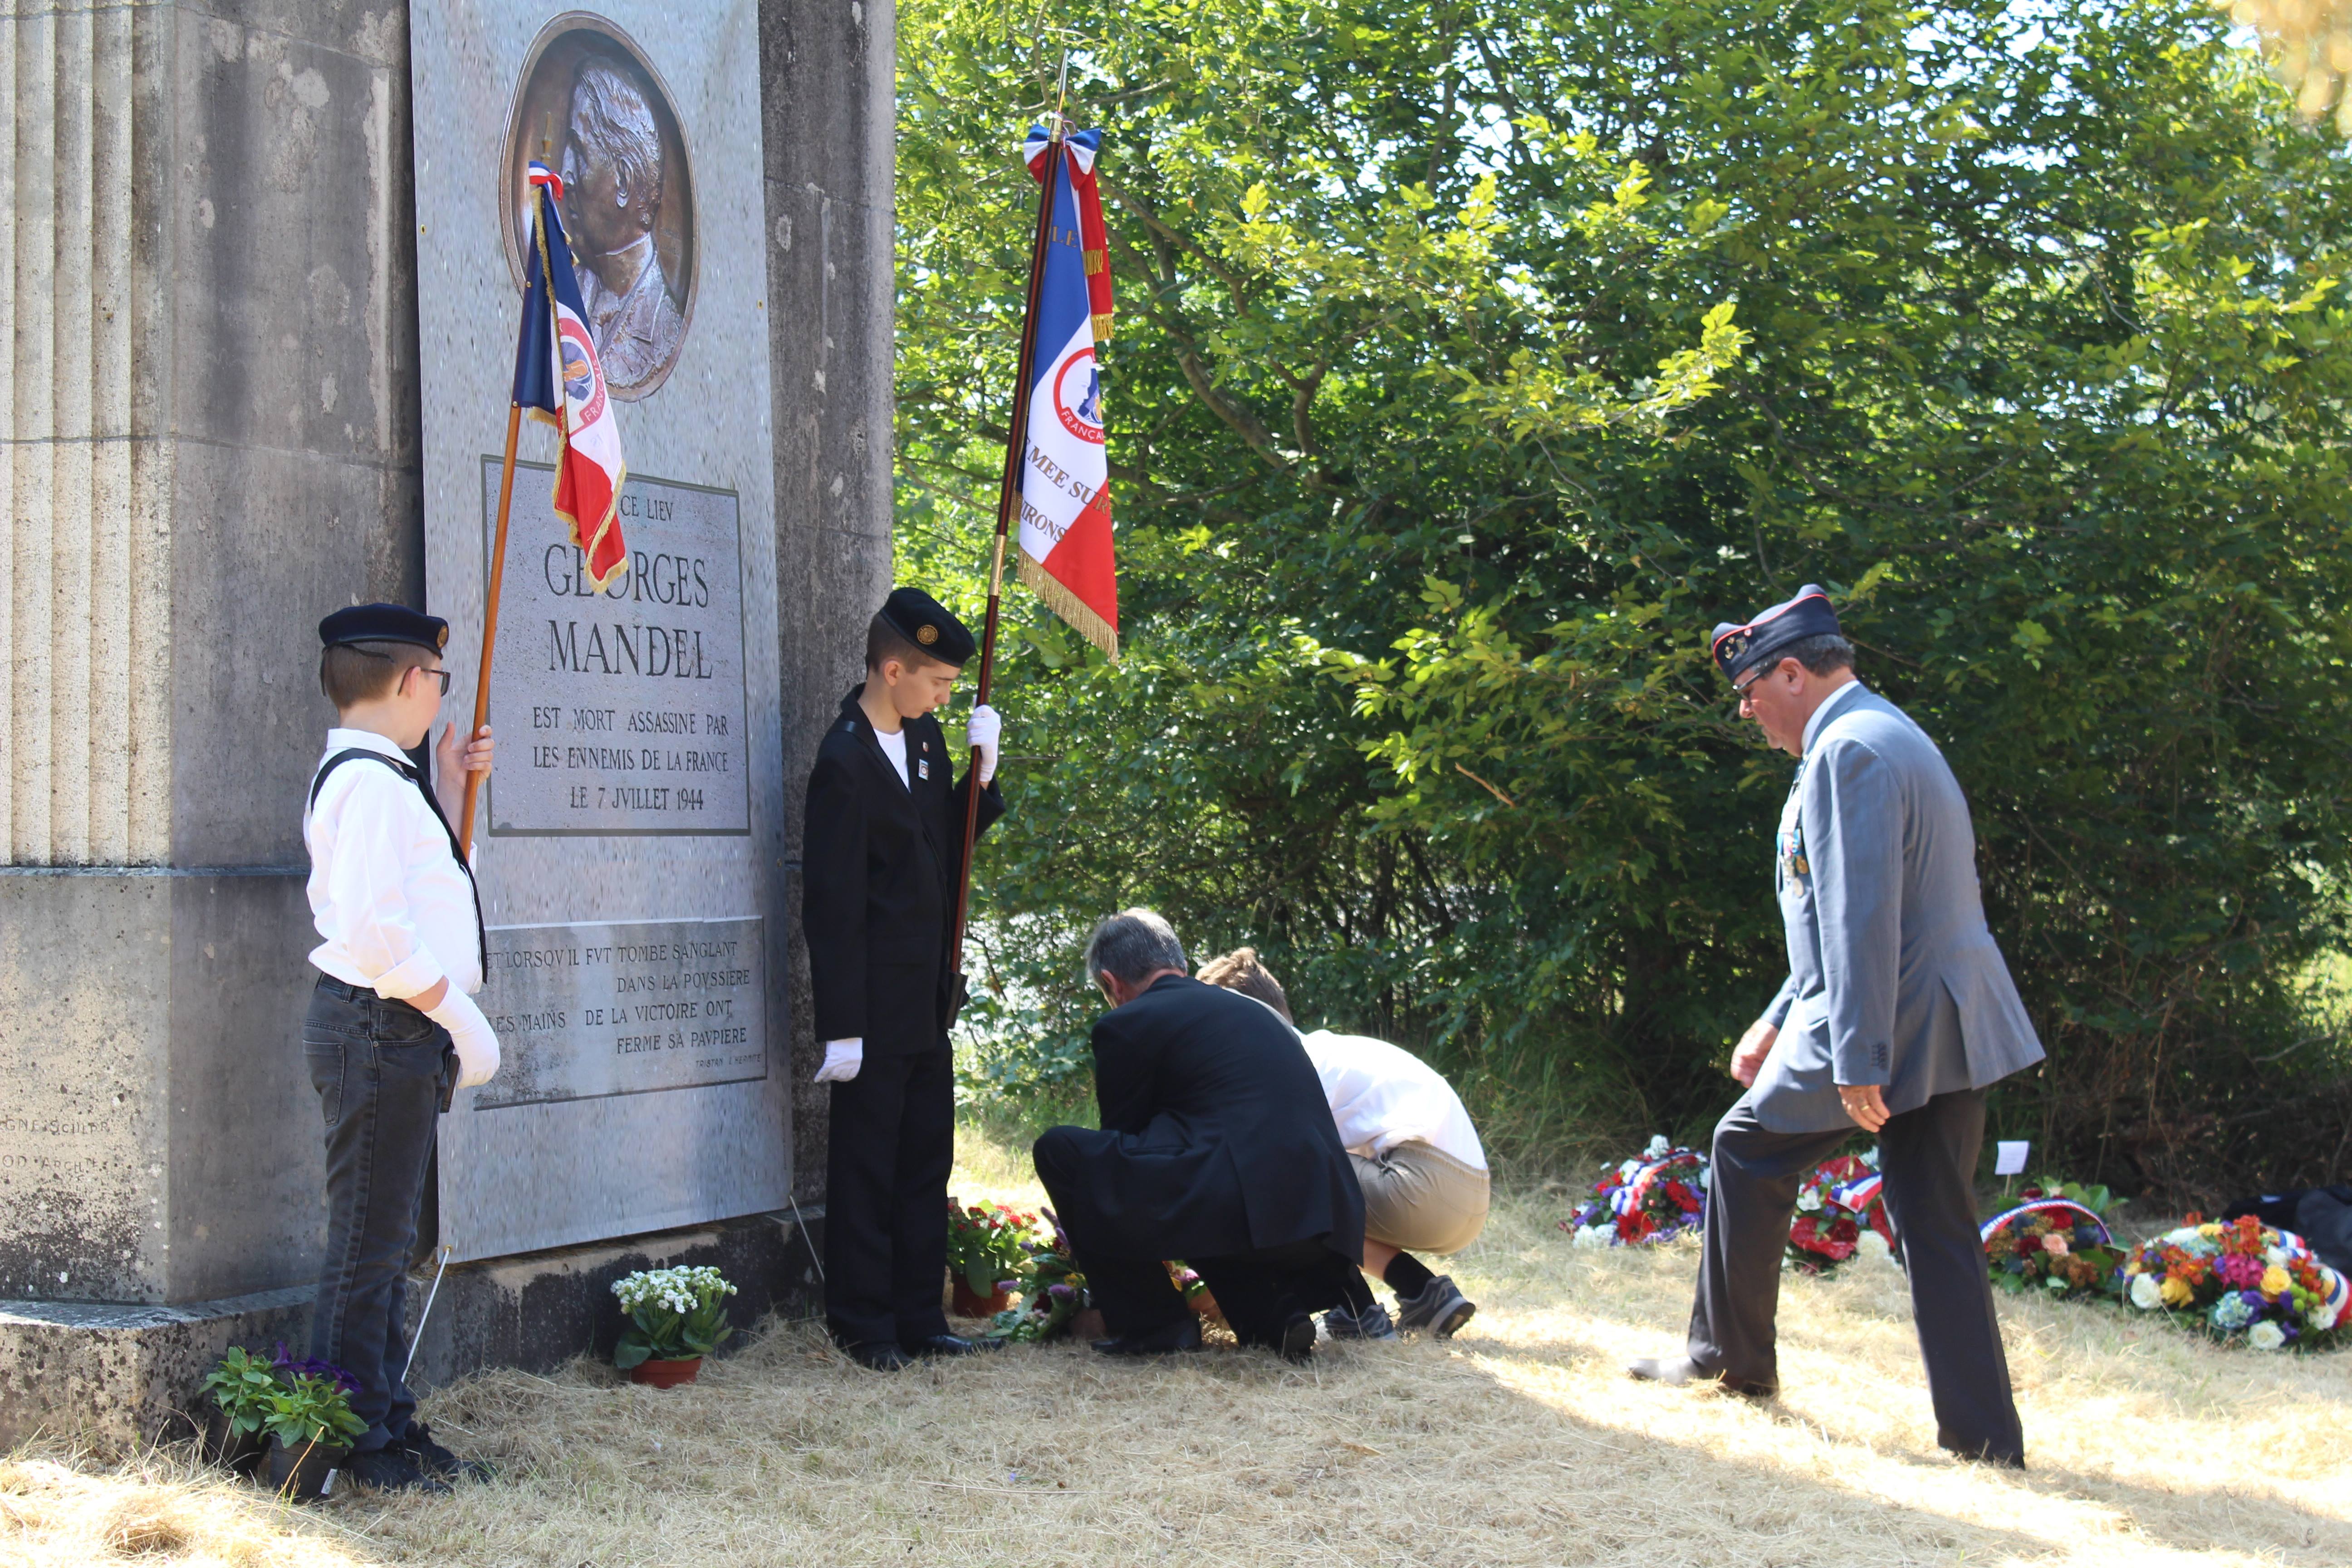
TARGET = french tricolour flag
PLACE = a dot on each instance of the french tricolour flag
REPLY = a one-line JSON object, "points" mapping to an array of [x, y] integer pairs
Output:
{"points": [[1065, 540], [559, 378]]}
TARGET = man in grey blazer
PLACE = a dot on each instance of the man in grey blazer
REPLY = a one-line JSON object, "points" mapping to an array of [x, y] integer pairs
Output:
{"points": [[1898, 1016]]}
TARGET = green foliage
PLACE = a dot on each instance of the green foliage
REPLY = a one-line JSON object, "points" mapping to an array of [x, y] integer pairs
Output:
{"points": [[674, 1314], [241, 1386], [987, 1244], [1473, 360], [305, 1408]]}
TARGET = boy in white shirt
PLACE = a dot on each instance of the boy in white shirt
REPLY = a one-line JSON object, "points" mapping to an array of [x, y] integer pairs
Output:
{"points": [[392, 1030], [1416, 1156]]}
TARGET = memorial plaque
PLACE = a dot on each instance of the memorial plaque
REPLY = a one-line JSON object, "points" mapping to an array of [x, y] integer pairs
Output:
{"points": [[635, 695], [590, 1010], [630, 845]]}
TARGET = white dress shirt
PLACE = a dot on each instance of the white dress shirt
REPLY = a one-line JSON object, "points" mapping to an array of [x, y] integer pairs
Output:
{"points": [[395, 908], [1382, 1096], [894, 746]]}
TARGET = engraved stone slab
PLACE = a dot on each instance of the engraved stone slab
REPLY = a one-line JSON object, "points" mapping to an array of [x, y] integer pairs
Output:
{"points": [[635, 695], [674, 668], [590, 1010]]}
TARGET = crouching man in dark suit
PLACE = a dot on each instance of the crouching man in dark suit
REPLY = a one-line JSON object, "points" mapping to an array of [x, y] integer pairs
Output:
{"points": [[1217, 1146]]}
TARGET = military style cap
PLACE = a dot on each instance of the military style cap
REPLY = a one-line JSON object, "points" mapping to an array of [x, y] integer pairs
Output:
{"points": [[384, 623], [1741, 649], [923, 621]]}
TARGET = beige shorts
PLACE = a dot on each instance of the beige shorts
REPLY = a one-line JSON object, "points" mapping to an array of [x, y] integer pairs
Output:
{"points": [[1421, 1199]]}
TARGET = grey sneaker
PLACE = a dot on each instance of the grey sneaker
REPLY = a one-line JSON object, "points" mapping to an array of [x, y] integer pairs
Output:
{"points": [[1369, 1324], [1441, 1308]]}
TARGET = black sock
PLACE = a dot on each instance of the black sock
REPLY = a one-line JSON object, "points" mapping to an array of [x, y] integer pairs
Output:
{"points": [[1406, 1276]]}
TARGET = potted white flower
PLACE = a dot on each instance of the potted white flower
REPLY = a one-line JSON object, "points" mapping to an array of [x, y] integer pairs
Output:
{"points": [[676, 1316]]}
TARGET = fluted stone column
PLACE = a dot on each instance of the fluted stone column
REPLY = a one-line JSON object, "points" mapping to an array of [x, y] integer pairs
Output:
{"points": [[209, 410]]}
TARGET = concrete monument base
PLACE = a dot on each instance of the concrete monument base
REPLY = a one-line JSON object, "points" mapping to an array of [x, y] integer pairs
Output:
{"points": [[118, 1378]]}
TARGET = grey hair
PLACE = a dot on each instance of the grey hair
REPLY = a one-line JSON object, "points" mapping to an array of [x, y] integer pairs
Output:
{"points": [[620, 125], [1131, 944], [1820, 654]]}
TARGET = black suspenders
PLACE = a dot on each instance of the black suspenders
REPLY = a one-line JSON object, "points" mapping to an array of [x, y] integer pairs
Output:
{"points": [[456, 850]]}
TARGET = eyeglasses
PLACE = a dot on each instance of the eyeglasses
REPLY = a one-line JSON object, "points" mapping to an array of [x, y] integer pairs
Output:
{"points": [[440, 675]]}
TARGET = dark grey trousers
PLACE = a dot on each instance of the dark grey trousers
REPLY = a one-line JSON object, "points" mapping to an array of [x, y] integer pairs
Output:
{"points": [[1929, 1157]]}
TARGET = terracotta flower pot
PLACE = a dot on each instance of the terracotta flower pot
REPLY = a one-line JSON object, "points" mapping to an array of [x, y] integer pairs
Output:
{"points": [[1087, 1326], [970, 1303], [667, 1374], [1203, 1303], [307, 1471]]}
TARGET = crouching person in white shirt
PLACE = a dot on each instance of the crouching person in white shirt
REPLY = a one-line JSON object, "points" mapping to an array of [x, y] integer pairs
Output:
{"points": [[1416, 1154], [392, 1030]]}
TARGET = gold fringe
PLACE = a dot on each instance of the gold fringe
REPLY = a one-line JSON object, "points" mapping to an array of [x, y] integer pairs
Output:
{"points": [[1096, 262], [1080, 615], [1102, 328]]}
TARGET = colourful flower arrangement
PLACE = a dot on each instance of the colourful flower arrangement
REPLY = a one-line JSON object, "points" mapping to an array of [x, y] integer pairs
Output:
{"points": [[1840, 1214], [1052, 1292], [2239, 1281], [1653, 1197], [2057, 1238], [987, 1244]]}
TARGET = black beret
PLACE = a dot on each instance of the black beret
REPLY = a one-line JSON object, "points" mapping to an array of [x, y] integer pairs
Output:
{"points": [[1741, 649], [925, 622], [384, 623]]}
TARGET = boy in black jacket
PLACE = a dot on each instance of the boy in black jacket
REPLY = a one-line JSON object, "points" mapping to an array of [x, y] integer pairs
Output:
{"points": [[883, 858]]}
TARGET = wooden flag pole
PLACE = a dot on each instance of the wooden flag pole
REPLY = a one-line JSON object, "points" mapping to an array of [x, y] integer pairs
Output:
{"points": [[490, 623], [1008, 498], [499, 555]]}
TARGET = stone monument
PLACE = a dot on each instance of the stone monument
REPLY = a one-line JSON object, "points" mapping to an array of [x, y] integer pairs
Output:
{"points": [[216, 411]]}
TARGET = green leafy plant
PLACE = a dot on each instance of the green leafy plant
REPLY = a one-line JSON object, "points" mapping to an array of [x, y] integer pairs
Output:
{"points": [[309, 1408], [987, 1244], [241, 1386], [674, 1314], [1471, 362]]}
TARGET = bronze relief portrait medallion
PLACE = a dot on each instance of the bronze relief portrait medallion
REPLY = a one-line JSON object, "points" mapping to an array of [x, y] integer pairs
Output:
{"points": [[610, 127]]}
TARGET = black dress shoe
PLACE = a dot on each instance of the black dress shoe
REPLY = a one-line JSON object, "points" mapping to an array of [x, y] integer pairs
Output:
{"points": [[1165, 1340], [1676, 1372], [1297, 1343], [949, 1344], [881, 1355]]}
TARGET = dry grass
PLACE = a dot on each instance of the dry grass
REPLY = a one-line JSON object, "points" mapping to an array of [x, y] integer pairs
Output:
{"points": [[1519, 1443]]}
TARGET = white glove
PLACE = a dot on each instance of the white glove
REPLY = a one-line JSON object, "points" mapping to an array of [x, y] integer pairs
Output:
{"points": [[842, 1060], [476, 1043], [982, 729]]}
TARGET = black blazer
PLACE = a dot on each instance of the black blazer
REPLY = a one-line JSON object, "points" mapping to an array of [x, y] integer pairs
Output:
{"points": [[1215, 1136], [880, 861]]}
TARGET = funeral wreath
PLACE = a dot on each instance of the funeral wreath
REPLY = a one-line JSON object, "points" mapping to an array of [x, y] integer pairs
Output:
{"points": [[2240, 1282], [1656, 1196]]}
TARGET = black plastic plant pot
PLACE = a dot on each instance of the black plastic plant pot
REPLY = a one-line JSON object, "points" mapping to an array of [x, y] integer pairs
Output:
{"points": [[307, 1471], [232, 1450]]}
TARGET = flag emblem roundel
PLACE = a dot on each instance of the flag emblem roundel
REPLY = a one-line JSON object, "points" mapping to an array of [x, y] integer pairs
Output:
{"points": [[581, 386], [1077, 397]]}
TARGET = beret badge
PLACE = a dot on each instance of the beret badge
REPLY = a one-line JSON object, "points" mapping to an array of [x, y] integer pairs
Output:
{"points": [[927, 635]]}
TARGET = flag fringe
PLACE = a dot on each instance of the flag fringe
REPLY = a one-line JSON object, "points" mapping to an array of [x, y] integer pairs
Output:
{"points": [[1102, 328], [1075, 611]]}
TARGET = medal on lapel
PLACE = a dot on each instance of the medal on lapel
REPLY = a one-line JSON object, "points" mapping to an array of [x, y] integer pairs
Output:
{"points": [[923, 767], [1793, 851]]}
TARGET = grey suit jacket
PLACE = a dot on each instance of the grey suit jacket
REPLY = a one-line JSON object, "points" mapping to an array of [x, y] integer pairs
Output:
{"points": [[1893, 977]]}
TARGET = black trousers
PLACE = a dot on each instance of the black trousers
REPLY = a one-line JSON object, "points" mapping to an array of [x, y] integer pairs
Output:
{"points": [[382, 1069], [892, 1145], [1929, 1157], [1256, 1291]]}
